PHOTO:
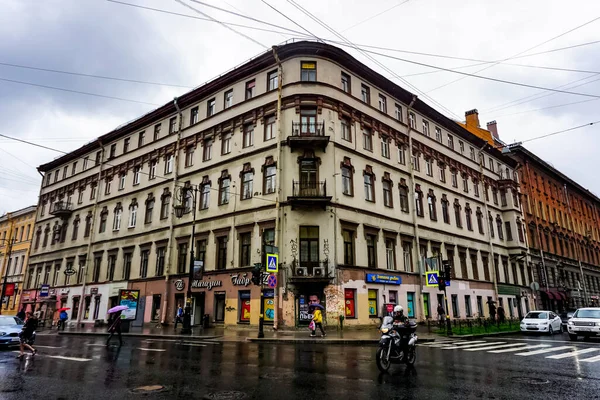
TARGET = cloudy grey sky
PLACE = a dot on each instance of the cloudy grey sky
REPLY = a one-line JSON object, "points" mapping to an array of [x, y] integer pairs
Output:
{"points": [[100, 37]]}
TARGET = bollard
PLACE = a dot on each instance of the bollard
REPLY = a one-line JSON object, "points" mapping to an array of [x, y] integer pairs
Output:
{"points": [[342, 322]]}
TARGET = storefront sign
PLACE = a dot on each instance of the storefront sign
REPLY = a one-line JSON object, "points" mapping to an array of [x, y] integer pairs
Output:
{"points": [[179, 284], [70, 271], [198, 267], [44, 290], [130, 299], [240, 279], [10, 289], [385, 279], [94, 291], [64, 292], [206, 284]]}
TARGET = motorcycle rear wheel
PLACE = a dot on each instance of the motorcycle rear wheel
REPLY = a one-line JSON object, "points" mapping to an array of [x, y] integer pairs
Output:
{"points": [[411, 357], [383, 363]]}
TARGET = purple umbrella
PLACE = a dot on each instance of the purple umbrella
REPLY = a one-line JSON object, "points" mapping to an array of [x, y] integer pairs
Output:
{"points": [[316, 306], [117, 309]]}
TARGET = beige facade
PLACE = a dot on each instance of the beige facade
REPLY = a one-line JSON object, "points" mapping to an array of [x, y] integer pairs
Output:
{"points": [[324, 174]]}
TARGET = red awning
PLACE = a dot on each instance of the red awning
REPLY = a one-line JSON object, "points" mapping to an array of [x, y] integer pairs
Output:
{"points": [[562, 295], [549, 294]]}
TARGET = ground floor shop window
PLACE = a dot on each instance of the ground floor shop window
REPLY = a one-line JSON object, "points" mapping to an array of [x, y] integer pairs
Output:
{"points": [[244, 306], [269, 300], [427, 305], [410, 304], [455, 310], [468, 305], [156, 307], [219, 307], [86, 313], [394, 296], [350, 303], [526, 305], [75, 312], [480, 306], [511, 310], [373, 303], [96, 307]]}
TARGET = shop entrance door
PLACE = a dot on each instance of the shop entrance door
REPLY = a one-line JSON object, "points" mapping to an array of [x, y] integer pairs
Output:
{"points": [[197, 308]]}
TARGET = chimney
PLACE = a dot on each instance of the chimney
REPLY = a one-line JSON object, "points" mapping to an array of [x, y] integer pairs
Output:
{"points": [[493, 128], [472, 118]]}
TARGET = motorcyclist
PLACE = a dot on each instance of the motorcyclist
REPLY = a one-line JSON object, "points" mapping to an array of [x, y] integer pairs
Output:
{"points": [[399, 317]]}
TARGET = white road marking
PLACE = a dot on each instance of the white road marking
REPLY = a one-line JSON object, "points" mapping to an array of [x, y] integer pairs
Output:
{"points": [[192, 344], [472, 345], [571, 354], [96, 345], [59, 357], [519, 348], [495, 347], [542, 351], [591, 359], [147, 349], [48, 347], [440, 344]]}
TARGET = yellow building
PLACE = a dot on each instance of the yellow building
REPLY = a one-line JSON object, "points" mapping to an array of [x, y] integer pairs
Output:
{"points": [[16, 232]]}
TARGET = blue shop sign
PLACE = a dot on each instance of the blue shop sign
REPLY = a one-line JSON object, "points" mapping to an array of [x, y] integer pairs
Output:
{"points": [[385, 279]]}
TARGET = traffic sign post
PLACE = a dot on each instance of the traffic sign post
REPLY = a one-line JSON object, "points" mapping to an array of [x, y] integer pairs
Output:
{"points": [[432, 278], [446, 279], [272, 263], [272, 281]]}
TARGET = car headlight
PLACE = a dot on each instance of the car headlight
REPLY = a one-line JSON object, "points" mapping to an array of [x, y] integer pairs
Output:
{"points": [[597, 323], [570, 323], [384, 330], [2, 333]]}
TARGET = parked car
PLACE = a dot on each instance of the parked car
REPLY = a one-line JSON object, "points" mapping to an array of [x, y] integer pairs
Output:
{"points": [[565, 317], [541, 321], [10, 327], [585, 322]]}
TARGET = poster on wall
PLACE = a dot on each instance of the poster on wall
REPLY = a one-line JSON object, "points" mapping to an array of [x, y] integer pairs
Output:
{"points": [[244, 306], [129, 299], [269, 299], [304, 307]]}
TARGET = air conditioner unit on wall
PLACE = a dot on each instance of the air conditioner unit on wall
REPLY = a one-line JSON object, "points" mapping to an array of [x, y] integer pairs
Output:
{"points": [[301, 271], [319, 271]]}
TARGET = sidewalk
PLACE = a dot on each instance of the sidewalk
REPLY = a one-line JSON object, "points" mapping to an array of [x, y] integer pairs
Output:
{"points": [[244, 334]]}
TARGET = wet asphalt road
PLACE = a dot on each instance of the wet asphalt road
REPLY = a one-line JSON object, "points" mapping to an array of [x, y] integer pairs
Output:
{"points": [[82, 368]]}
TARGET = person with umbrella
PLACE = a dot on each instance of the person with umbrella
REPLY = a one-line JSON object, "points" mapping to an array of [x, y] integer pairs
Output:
{"points": [[62, 317], [317, 319], [115, 323], [492, 309]]}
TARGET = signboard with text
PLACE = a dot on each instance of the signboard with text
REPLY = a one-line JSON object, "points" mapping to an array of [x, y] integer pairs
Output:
{"points": [[383, 278], [130, 299], [44, 290]]}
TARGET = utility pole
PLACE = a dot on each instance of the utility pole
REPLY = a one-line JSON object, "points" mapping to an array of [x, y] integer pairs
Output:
{"points": [[10, 241]]}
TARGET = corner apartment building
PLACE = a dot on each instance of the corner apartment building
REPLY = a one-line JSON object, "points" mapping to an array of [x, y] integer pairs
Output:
{"points": [[562, 220], [361, 186], [16, 233]]}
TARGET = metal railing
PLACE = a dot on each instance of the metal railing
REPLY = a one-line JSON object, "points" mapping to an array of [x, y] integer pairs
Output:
{"points": [[475, 326], [309, 189], [61, 207], [308, 129]]}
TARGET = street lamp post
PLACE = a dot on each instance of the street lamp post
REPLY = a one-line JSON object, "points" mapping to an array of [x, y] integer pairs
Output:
{"points": [[8, 253], [180, 210]]}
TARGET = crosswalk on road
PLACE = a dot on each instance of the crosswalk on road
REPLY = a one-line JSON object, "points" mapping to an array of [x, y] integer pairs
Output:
{"points": [[521, 349]]}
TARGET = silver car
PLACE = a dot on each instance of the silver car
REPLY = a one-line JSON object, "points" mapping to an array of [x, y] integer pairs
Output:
{"points": [[10, 327], [585, 322]]}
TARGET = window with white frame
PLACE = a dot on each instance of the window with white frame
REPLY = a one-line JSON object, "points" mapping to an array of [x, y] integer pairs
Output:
{"points": [[226, 143], [117, 217], [382, 103], [169, 164], [402, 155], [122, 181], [247, 180], [429, 167], [367, 139], [385, 147], [454, 175], [132, 215], [390, 254], [451, 141], [412, 120], [228, 100], [472, 153], [189, 156], [425, 128], [461, 147], [269, 128], [248, 138], [398, 112], [194, 115], [346, 129], [438, 134], [465, 180], [152, 173], [442, 174], [137, 172]]}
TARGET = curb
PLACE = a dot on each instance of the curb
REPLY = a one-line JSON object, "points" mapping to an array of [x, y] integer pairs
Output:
{"points": [[323, 341], [480, 335], [140, 335]]}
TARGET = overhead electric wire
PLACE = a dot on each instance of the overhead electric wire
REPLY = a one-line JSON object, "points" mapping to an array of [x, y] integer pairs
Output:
{"points": [[374, 16], [545, 108], [292, 21], [558, 132]]}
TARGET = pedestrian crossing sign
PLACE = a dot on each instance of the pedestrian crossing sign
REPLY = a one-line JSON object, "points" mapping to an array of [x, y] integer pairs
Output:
{"points": [[272, 263], [432, 278]]}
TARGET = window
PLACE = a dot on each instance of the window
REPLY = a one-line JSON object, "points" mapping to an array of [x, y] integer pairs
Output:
{"points": [[503, 201], [245, 246], [371, 250], [499, 226], [132, 215], [126, 145], [211, 107], [410, 304], [491, 164], [407, 256], [346, 129], [169, 163], [398, 112], [403, 198], [127, 257], [228, 99], [136, 175], [221, 252], [160, 261], [55, 176], [86, 160], [455, 309], [117, 218], [346, 86], [445, 211], [429, 167], [75, 228], [461, 147], [250, 87], [495, 197], [157, 132], [194, 115], [491, 222], [457, 215], [272, 80], [476, 188], [438, 134], [419, 202], [207, 152], [173, 125], [509, 232], [226, 143], [96, 271], [468, 214], [468, 305], [372, 298], [426, 128], [350, 303], [402, 155], [149, 209], [165, 205], [454, 175], [122, 181], [182, 258], [205, 196], [451, 142], [224, 185], [270, 179], [107, 184], [382, 103], [113, 151], [248, 135], [247, 179], [145, 255], [103, 218], [432, 206], [367, 139], [442, 174], [308, 71], [152, 173], [520, 231], [390, 253], [201, 251], [80, 196], [415, 162], [387, 193], [189, 156], [74, 168], [348, 236], [465, 180], [369, 187], [472, 153], [365, 93], [141, 138], [98, 157], [385, 147], [269, 128], [65, 170]]}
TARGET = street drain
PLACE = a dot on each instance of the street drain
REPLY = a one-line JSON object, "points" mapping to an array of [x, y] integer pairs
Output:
{"points": [[148, 389], [226, 395], [532, 381]]}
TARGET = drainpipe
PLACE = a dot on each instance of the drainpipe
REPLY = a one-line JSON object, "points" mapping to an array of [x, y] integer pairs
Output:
{"points": [[278, 240], [91, 238], [171, 220], [487, 216], [585, 292], [6, 257], [413, 210]]}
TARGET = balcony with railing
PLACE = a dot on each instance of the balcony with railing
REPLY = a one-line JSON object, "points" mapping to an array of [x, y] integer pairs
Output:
{"points": [[308, 135], [62, 209], [309, 194]]}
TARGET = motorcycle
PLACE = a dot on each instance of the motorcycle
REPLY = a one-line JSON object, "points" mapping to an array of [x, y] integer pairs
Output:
{"points": [[397, 344]]}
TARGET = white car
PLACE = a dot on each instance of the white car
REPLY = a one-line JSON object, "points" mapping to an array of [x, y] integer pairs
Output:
{"points": [[585, 322], [541, 321]]}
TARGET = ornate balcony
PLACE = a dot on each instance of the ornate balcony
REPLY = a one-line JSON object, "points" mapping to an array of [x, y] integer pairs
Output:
{"points": [[309, 195], [61, 209], [308, 135]]}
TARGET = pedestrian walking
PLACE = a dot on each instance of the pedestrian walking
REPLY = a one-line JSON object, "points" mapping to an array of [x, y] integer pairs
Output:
{"points": [[115, 327], [26, 333], [21, 314], [441, 314], [179, 316], [62, 319], [318, 320], [492, 309], [501, 314]]}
